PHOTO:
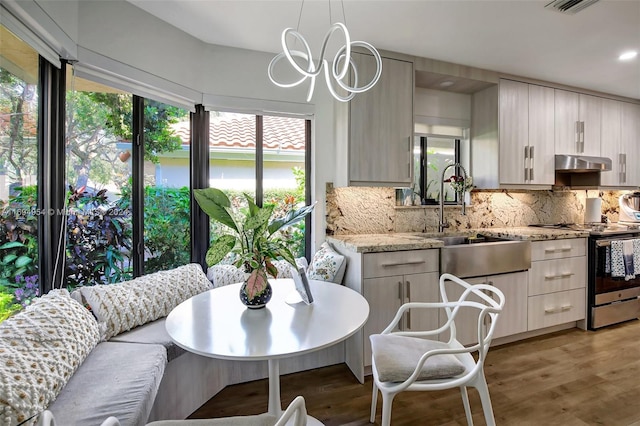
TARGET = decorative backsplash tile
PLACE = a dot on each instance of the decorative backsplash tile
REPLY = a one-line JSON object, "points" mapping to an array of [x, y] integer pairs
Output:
{"points": [[363, 210]]}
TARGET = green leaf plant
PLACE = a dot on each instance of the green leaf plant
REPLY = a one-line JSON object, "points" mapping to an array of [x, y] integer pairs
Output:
{"points": [[253, 235]]}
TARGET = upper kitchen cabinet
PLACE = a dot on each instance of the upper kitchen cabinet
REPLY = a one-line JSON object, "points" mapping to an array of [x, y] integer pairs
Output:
{"points": [[620, 136], [630, 136], [381, 125], [577, 123], [526, 133], [611, 143], [512, 135]]}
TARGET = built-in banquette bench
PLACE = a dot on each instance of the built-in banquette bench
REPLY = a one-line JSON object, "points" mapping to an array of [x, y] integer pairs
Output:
{"points": [[118, 361]]}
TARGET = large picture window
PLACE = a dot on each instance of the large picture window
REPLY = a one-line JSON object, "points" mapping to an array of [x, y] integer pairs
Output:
{"points": [[19, 69], [264, 157]]}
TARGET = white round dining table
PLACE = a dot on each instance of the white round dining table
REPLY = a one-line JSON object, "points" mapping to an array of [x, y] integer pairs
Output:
{"points": [[216, 324]]}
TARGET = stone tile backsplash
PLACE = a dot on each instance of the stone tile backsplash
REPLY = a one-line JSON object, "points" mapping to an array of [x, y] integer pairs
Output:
{"points": [[363, 210]]}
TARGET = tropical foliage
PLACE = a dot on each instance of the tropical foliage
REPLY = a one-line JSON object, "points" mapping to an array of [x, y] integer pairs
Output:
{"points": [[253, 236]]}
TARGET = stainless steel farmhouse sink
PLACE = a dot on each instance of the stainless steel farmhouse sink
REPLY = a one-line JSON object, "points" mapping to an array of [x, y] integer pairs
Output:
{"points": [[478, 256]]}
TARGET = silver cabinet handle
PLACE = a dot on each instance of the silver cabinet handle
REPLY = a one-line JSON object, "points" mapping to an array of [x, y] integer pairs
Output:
{"points": [[577, 136], [526, 163], [409, 262], [409, 319], [557, 309], [559, 276], [408, 294], [582, 136], [531, 158], [554, 250], [400, 293], [623, 168]]}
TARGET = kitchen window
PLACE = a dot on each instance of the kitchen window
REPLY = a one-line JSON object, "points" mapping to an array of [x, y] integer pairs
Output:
{"points": [[432, 153]]}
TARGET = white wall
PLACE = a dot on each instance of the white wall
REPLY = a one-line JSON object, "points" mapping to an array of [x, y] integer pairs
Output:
{"points": [[448, 107], [122, 32]]}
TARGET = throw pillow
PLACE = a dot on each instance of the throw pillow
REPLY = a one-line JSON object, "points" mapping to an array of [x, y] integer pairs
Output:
{"points": [[221, 275], [40, 349], [396, 358], [285, 270], [121, 307], [327, 265]]}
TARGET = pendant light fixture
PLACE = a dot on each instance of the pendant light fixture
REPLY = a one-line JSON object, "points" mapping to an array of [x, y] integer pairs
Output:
{"points": [[337, 71]]}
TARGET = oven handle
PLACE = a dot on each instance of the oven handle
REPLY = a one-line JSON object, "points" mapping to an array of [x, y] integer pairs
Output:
{"points": [[607, 243]]}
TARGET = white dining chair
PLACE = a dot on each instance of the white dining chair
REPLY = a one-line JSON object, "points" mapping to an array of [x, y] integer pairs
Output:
{"points": [[296, 411], [417, 361]]}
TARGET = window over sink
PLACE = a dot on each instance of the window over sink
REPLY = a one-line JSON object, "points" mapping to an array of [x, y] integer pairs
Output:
{"points": [[432, 153]]}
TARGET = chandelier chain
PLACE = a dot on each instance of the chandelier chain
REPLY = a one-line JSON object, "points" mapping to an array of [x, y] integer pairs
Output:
{"points": [[300, 16]]}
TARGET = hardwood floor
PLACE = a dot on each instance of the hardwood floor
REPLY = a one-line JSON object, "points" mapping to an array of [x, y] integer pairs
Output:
{"points": [[571, 377]]}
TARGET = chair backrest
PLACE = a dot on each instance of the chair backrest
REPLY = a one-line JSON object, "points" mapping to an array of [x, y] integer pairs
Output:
{"points": [[297, 408], [484, 299]]}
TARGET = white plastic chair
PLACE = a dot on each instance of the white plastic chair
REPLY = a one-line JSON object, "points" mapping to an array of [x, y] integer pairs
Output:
{"points": [[471, 372], [47, 419], [296, 411]]}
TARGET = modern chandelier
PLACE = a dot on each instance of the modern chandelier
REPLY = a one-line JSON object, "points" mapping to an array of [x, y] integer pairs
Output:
{"points": [[338, 70]]}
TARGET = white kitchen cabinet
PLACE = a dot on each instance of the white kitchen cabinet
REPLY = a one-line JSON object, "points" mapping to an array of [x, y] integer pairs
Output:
{"points": [[611, 144], [381, 125], [512, 320], [557, 282], [526, 124], [387, 280], [577, 123], [630, 136]]}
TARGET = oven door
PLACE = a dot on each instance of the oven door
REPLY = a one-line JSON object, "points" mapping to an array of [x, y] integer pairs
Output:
{"points": [[607, 288]]}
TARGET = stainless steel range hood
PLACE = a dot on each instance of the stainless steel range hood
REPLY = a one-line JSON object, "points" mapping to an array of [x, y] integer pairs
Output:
{"points": [[582, 164], [580, 171]]}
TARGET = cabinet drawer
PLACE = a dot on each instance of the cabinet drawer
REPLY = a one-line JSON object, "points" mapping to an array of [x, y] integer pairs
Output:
{"points": [[556, 249], [556, 308], [387, 264], [549, 276]]}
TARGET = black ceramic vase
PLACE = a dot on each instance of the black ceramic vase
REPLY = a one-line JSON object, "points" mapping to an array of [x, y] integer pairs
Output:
{"points": [[256, 291]]}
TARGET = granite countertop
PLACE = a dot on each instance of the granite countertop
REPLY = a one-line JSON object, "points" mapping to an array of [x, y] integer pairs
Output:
{"points": [[371, 243]]}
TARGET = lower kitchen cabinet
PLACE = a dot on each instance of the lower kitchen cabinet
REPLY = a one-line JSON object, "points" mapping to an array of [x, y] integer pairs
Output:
{"points": [[557, 282], [512, 320], [387, 280]]}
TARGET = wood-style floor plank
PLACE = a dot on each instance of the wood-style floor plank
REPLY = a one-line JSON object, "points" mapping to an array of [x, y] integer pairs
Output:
{"points": [[571, 377]]}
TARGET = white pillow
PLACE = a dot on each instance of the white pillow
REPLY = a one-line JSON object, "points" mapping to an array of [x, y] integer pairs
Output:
{"points": [[327, 265], [121, 307], [40, 349], [221, 275], [285, 270]]}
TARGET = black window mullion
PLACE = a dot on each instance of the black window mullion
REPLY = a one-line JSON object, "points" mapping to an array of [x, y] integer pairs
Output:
{"points": [[199, 178], [307, 188], [137, 189], [51, 174], [259, 160]]}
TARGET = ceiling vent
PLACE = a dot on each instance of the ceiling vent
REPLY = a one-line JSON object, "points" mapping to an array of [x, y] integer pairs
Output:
{"points": [[569, 6]]}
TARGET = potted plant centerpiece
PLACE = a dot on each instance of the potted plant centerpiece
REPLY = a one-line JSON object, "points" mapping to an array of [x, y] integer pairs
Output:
{"points": [[253, 237]]}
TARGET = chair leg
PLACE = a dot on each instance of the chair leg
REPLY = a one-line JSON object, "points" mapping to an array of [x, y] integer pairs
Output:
{"points": [[465, 402], [374, 403], [387, 402], [483, 390]]}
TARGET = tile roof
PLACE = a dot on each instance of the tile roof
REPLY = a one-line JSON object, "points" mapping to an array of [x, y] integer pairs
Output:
{"points": [[239, 130]]}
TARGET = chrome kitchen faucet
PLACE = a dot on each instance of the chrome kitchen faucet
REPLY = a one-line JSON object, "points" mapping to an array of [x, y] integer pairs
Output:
{"points": [[441, 222]]}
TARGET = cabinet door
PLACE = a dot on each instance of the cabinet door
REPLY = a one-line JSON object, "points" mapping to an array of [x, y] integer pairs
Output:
{"points": [[630, 134], [611, 143], [384, 297], [590, 117], [513, 319], [422, 288], [381, 125], [567, 107], [513, 121], [541, 135]]}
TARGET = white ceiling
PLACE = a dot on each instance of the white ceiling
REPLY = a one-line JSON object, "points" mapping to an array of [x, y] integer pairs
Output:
{"points": [[517, 37]]}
